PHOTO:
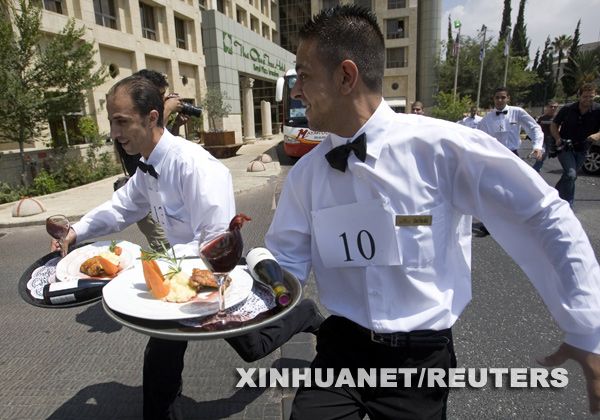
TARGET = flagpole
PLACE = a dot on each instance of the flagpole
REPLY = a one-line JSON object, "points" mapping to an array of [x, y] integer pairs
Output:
{"points": [[506, 53], [482, 53], [457, 46]]}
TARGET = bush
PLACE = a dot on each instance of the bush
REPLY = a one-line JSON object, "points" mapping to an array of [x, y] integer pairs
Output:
{"points": [[447, 108]]}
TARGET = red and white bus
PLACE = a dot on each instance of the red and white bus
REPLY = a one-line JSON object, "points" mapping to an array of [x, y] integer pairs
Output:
{"points": [[298, 139]]}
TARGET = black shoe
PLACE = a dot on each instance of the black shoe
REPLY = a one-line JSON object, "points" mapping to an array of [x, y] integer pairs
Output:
{"points": [[316, 318], [479, 230]]}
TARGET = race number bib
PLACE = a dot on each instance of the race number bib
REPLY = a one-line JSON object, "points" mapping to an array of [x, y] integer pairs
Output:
{"points": [[356, 235], [157, 208]]}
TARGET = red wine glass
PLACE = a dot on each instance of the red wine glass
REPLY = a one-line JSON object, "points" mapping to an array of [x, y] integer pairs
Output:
{"points": [[221, 254], [58, 227]]}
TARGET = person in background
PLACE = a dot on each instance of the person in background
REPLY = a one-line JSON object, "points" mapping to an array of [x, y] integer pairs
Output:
{"points": [[505, 122], [574, 129], [471, 120], [190, 193], [544, 121], [382, 217], [417, 108]]}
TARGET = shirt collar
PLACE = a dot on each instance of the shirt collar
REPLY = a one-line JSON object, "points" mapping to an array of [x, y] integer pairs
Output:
{"points": [[373, 128], [160, 151]]}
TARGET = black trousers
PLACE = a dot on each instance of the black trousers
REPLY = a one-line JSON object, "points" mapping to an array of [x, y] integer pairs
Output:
{"points": [[163, 359], [344, 344]]}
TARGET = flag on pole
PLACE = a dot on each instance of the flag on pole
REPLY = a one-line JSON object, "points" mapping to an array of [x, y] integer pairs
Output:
{"points": [[507, 42], [482, 50], [456, 46]]}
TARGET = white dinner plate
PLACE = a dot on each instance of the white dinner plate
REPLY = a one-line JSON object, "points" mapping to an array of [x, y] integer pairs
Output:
{"points": [[67, 268], [129, 295]]}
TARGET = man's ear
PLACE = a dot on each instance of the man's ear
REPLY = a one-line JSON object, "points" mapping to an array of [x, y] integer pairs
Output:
{"points": [[153, 118], [349, 73]]}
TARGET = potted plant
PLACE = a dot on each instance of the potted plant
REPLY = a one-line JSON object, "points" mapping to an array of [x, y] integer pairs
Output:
{"points": [[216, 108]]}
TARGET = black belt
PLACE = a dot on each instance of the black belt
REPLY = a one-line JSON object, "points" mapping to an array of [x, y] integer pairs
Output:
{"points": [[417, 338]]}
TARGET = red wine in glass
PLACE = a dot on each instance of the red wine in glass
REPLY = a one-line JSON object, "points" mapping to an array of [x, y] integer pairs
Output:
{"points": [[222, 253], [58, 227]]}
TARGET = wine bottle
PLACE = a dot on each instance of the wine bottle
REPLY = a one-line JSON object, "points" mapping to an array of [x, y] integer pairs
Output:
{"points": [[264, 267], [63, 292]]}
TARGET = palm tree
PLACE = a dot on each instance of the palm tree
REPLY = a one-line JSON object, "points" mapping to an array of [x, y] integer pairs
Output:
{"points": [[561, 45], [586, 67]]}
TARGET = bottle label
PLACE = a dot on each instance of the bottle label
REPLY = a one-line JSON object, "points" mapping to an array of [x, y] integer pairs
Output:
{"points": [[58, 300], [62, 285]]}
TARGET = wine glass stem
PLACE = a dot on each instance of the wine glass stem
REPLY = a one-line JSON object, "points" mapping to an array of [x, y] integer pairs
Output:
{"points": [[221, 283], [63, 248]]}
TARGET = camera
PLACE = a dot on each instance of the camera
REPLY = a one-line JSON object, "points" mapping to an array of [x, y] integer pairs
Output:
{"points": [[190, 110]]}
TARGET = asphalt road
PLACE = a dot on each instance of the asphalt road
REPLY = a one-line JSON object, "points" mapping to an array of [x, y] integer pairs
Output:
{"points": [[78, 364]]}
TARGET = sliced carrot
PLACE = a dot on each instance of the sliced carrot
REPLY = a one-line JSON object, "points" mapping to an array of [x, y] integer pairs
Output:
{"points": [[154, 279], [108, 267]]}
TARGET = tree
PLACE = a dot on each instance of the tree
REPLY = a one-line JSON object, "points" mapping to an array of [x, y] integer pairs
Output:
{"points": [[536, 60], [570, 71], [519, 46], [504, 27], [40, 79], [450, 45], [215, 107], [585, 69], [520, 80], [561, 44], [447, 108]]}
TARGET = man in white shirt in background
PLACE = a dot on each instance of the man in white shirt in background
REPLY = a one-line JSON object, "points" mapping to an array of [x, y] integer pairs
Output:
{"points": [[471, 120], [505, 122], [383, 216]]}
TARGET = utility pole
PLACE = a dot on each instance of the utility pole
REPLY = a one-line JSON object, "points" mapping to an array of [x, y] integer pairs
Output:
{"points": [[457, 24], [481, 58]]}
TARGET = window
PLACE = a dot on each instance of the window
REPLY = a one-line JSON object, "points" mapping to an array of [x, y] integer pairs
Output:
{"points": [[327, 4], [396, 4], [395, 57], [148, 22], [365, 4], [202, 4], [105, 13], [53, 6], [221, 6], [180, 34], [394, 28]]}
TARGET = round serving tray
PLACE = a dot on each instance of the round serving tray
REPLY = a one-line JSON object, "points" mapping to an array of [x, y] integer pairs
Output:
{"points": [[173, 330]]}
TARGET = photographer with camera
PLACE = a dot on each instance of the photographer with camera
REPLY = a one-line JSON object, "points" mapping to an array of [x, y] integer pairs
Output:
{"points": [[574, 129], [176, 113]]}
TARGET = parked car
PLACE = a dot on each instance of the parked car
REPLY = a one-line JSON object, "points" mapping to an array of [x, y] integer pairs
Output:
{"points": [[592, 161]]}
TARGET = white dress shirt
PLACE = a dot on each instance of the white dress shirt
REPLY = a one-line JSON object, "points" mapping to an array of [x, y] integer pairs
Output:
{"points": [[506, 128], [444, 173], [192, 197], [470, 122]]}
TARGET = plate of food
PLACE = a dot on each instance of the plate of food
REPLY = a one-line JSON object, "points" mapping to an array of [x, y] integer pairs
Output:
{"points": [[99, 261], [190, 291]]}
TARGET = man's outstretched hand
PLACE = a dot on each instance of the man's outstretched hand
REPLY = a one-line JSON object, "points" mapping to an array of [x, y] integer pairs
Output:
{"points": [[589, 362]]}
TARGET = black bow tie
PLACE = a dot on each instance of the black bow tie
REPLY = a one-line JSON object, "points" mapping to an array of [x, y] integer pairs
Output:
{"points": [[502, 112], [147, 169], [338, 156]]}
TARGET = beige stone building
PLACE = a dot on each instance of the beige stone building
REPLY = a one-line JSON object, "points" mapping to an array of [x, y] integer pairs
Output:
{"points": [[174, 37], [411, 29]]}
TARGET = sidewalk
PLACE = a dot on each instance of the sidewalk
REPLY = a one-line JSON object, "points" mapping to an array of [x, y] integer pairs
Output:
{"points": [[75, 202]]}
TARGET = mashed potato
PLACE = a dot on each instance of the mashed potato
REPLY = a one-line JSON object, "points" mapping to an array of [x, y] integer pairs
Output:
{"points": [[179, 288]]}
